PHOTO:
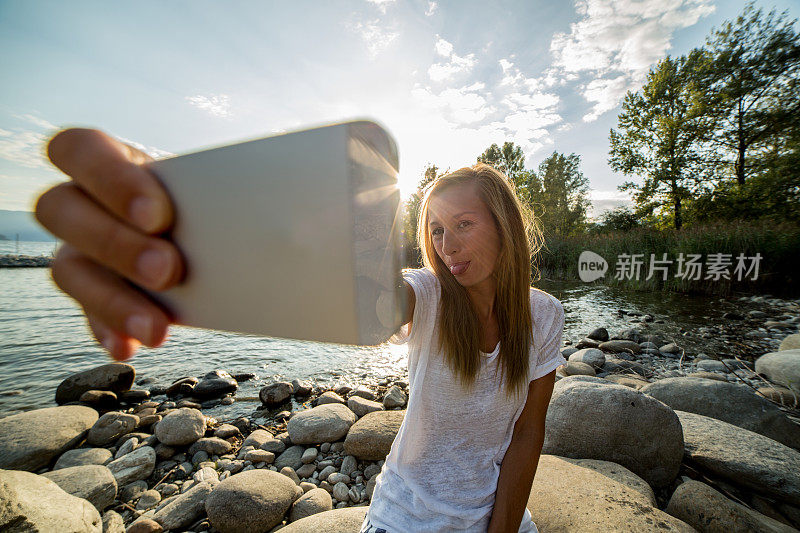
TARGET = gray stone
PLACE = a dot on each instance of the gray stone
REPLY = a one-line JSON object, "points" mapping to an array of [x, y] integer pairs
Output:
{"points": [[257, 438], [225, 431], [705, 509], [591, 356], [620, 346], [312, 502], [577, 368], [599, 334], [181, 427], [743, 457], [251, 501], [32, 503], [781, 368], [590, 420], [711, 365], [138, 464], [211, 445], [275, 393], [371, 437], [110, 427], [29, 440], [791, 342], [301, 387], [94, 483], [361, 406], [132, 490], [394, 397], [113, 523], [566, 497], [731, 402], [148, 500], [324, 423], [344, 520], [116, 377], [615, 365], [329, 397], [364, 392], [184, 509], [83, 456], [292, 457]]}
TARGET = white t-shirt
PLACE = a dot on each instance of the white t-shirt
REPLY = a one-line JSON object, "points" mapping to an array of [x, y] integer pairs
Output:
{"points": [[442, 470]]}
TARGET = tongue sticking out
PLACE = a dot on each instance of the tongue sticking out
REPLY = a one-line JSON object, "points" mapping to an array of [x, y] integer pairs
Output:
{"points": [[459, 268]]}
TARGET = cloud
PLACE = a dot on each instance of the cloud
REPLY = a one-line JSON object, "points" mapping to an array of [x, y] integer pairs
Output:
{"points": [[616, 42], [23, 147], [152, 151], [216, 104], [431, 8], [375, 36], [37, 121], [454, 65], [603, 201], [462, 105], [381, 4]]}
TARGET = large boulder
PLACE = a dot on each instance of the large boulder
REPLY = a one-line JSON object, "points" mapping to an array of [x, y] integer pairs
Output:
{"points": [[181, 427], [324, 423], [34, 503], [116, 377], [184, 509], [28, 441], [705, 509], [591, 420], [730, 402], [95, 483], [370, 439], [344, 520], [250, 502], [791, 342], [567, 497], [782, 368], [743, 457]]}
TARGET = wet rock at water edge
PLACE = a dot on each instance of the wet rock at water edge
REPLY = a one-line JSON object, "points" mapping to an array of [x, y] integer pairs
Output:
{"points": [[215, 384], [275, 393], [181, 427], [116, 377]]}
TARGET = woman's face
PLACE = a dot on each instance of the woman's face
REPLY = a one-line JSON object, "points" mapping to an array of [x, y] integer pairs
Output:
{"points": [[464, 233]]}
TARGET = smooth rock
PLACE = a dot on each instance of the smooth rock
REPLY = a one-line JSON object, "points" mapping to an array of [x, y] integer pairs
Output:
{"points": [[312, 502], [329, 397], [250, 502], [361, 406], [82, 457], [743, 457], [181, 427], [730, 402], [215, 384], [577, 368], [148, 500], [29, 440], [791, 342], [633, 382], [110, 427], [590, 420], [94, 483], [145, 525], [116, 377], [113, 523], [344, 520], [591, 356], [781, 395], [705, 509], [292, 457], [257, 438], [712, 365], [99, 399], [211, 445], [620, 346], [275, 393], [138, 464], [566, 497], [781, 368], [32, 503], [599, 334], [184, 509], [371, 438], [324, 423], [707, 375]]}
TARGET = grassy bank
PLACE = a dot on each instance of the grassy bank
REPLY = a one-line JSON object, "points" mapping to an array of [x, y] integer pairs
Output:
{"points": [[777, 243]]}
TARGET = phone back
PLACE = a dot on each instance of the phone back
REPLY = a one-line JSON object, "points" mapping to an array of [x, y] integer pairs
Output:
{"points": [[292, 236]]}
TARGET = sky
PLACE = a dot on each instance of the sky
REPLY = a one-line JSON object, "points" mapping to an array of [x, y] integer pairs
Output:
{"points": [[446, 79]]}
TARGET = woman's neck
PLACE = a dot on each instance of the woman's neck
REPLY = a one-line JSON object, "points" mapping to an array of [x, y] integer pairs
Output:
{"points": [[482, 297]]}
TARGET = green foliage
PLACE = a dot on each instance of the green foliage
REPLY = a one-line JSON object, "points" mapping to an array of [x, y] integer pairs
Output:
{"points": [[411, 215], [778, 244], [618, 219], [559, 194], [509, 159]]}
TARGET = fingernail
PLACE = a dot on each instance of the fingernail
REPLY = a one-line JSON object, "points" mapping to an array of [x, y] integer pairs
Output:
{"points": [[153, 265], [139, 327], [144, 212]]}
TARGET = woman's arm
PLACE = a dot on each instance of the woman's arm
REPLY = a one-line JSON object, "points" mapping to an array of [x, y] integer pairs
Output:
{"points": [[411, 302], [521, 458]]}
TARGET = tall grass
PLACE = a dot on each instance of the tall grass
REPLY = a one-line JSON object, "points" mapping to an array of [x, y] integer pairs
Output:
{"points": [[778, 244]]}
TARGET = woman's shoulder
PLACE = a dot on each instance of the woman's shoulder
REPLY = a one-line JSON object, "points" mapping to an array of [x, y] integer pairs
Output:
{"points": [[544, 303], [422, 276]]}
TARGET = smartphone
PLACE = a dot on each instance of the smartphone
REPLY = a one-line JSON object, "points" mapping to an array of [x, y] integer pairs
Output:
{"points": [[295, 235]]}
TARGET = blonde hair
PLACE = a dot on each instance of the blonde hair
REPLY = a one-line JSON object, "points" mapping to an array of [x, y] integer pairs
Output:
{"points": [[520, 240]]}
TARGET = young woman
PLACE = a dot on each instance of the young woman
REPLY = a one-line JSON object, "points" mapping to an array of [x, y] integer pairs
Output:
{"points": [[483, 345], [483, 349]]}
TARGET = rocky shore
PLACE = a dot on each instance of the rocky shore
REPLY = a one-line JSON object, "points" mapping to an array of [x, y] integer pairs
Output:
{"points": [[640, 436], [13, 261]]}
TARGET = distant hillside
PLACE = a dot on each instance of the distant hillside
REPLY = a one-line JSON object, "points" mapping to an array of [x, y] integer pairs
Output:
{"points": [[22, 222]]}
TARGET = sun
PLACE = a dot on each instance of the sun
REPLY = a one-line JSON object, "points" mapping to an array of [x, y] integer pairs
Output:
{"points": [[407, 183]]}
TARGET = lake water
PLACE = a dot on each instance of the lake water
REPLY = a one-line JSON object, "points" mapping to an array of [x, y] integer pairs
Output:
{"points": [[44, 338]]}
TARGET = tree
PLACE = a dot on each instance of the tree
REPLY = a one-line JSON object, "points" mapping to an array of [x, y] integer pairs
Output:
{"points": [[559, 194], [620, 218], [658, 138], [742, 79], [509, 159], [412, 206]]}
